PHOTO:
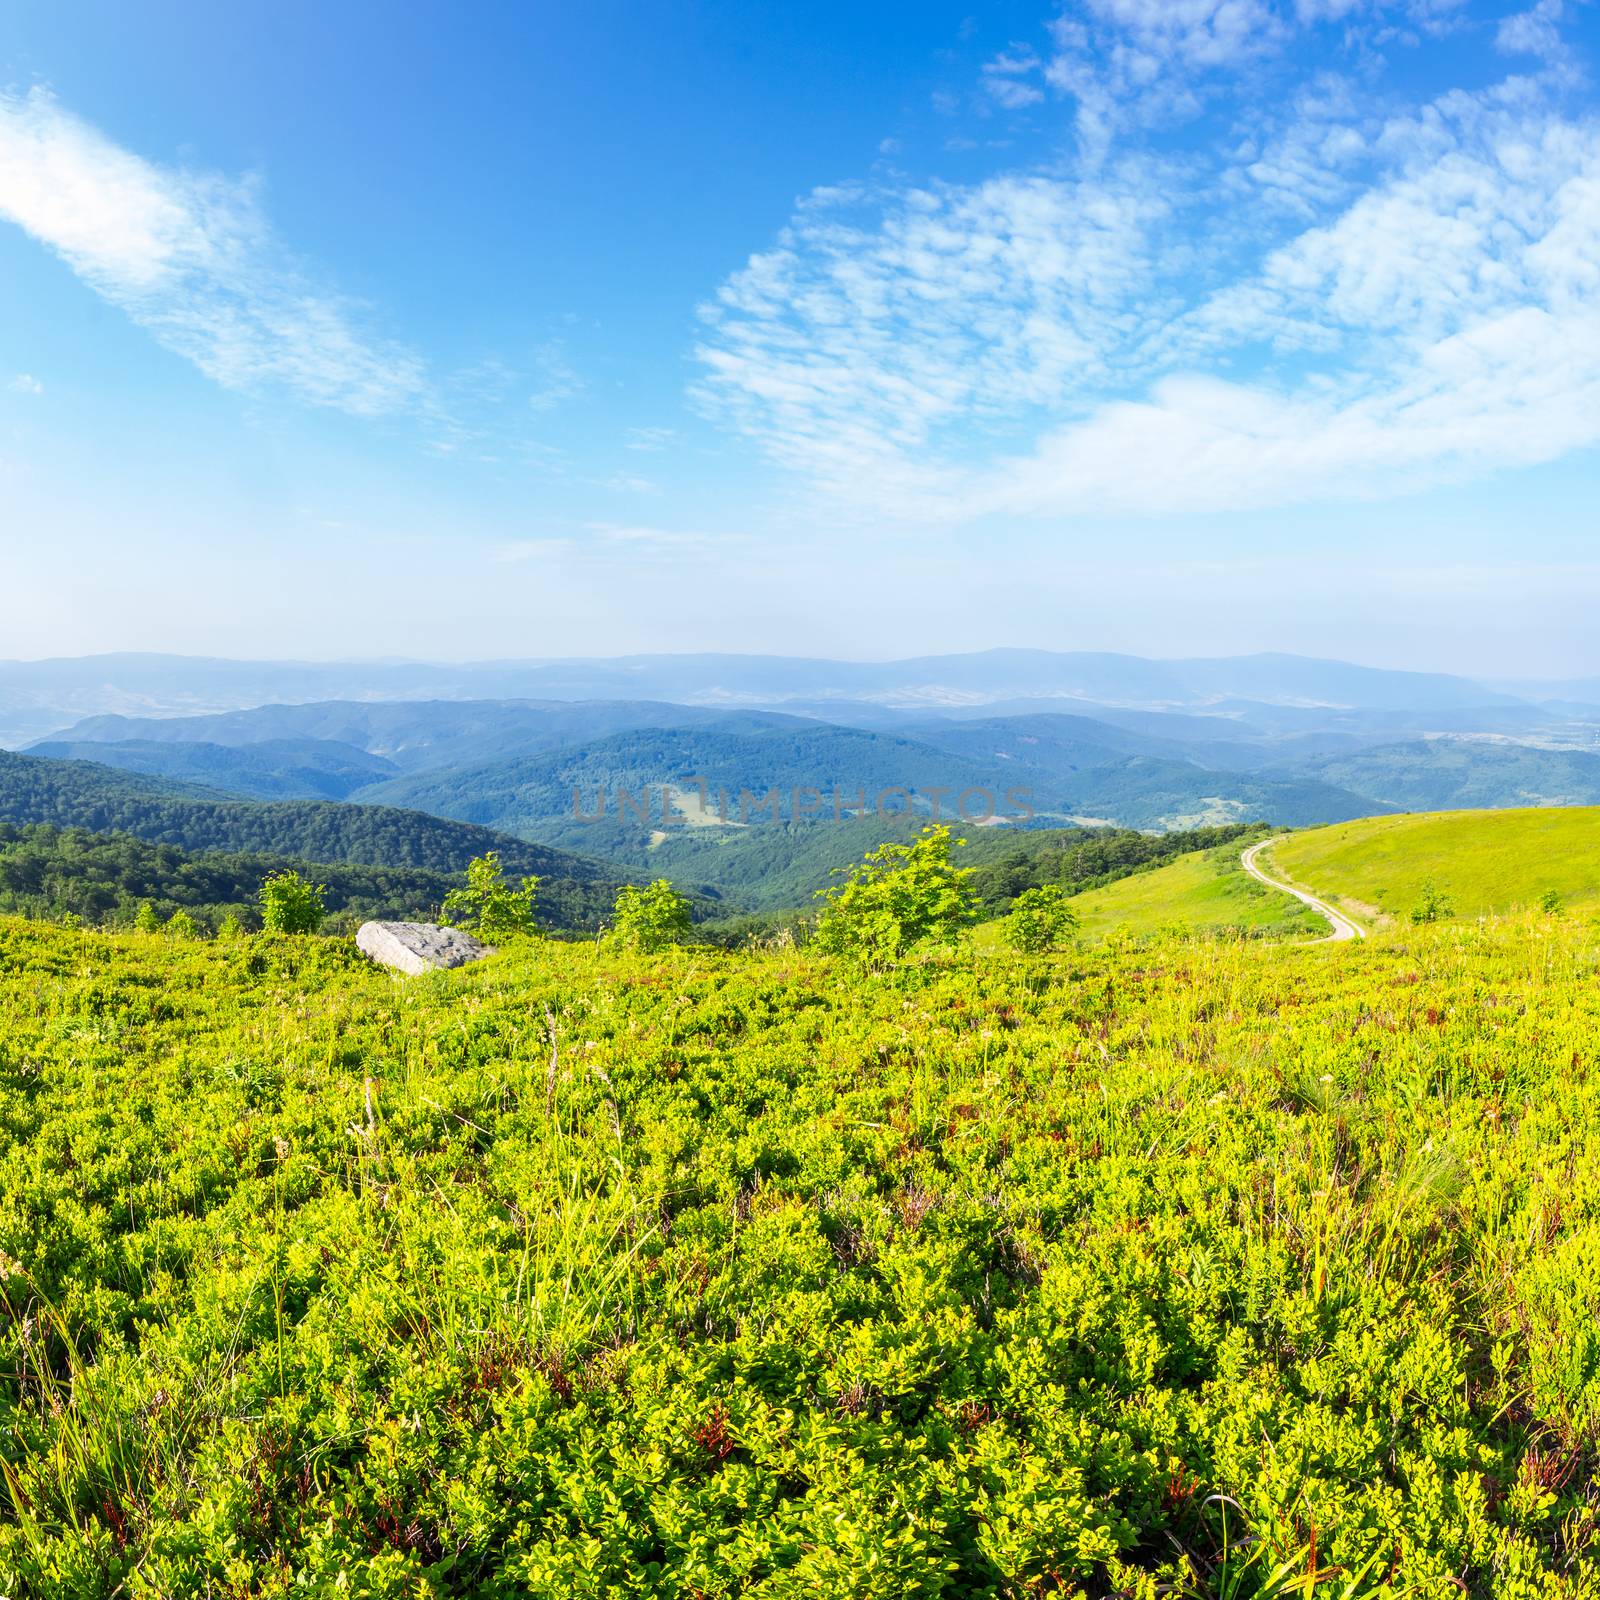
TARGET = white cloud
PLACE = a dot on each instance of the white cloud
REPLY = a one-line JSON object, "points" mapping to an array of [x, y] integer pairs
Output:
{"points": [[609, 542], [1536, 32], [517, 550], [25, 383], [1201, 33], [1344, 302], [1521, 389], [1005, 79], [1140, 63], [554, 378], [191, 257], [649, 439], [647, 541], [877, 320]]}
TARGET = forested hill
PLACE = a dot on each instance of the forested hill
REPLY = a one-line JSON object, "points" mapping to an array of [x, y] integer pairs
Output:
{"points": [[275, 769], [82, 794], [103, 878]]}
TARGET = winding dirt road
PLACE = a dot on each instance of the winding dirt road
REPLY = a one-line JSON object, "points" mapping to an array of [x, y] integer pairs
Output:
{"points": [[1343, 927]]}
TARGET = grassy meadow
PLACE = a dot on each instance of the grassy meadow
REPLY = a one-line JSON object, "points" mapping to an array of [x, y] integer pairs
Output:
{"points": [[1177, 1268], [1489, 863], [1205, 892]]}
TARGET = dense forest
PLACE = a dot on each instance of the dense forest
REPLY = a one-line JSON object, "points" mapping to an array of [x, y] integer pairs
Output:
{"points": [[275, 769], [82, 794], [104, 878]]}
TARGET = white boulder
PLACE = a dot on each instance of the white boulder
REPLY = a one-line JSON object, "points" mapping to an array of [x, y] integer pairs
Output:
{"points": [[413, 947]]}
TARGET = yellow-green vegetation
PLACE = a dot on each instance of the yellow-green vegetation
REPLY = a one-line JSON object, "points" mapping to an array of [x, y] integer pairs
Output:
{"points": [[1484, 863], [1214, 1269], [1206, 892]]}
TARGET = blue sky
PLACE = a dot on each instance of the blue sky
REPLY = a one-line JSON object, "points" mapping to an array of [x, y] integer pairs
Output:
{"points": [[1171, 326]]}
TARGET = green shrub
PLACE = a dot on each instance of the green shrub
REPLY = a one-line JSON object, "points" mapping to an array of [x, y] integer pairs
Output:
{"points": [[489, 907], [899, 897], [147, 919], [1432, 904], [650, 918], [180, 925], [291, 904], [1040, 919]]}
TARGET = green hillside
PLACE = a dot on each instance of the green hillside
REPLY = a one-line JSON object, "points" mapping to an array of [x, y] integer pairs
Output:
{"points": [[275, 769], [103, 878], [534, 795], [419, 735], [1486, 862], [1149, 792], [1453, 774], [1204, 892], [81, 794], [1009, 861], [574, 1274]]}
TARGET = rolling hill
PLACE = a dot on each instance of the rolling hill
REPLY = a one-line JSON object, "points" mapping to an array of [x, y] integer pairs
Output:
{"points": [[102, 877], [414, 735], [1486, 862], [1206, 891], [80, 794], [1053, 742], [534, 796], [1446, 774], [274, 769]]}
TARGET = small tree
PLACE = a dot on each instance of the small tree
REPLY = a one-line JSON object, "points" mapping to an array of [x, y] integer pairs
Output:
{"points": [[1040, 919], [1432, 904], [230, 927], [489, 907], [180, 925], [147, 919], [1551, 903], [650, 918], [898, 897], [291, 904]]}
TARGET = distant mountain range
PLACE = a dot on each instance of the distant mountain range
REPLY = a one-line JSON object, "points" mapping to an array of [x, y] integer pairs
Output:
{"points": [[38, 698], [421, 766]]}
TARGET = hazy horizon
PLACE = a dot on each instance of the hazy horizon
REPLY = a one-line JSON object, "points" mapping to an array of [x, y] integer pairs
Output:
{"points": [[1491, 680]]}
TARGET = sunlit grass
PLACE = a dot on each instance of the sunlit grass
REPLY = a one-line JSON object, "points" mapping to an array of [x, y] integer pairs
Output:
{"points": [[1488, 863], [1212, 1268]]}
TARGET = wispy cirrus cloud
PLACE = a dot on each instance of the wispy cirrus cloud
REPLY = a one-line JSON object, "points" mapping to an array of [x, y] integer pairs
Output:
{"points": [[1535, 32], [649, 439], [25, 383], [1340, 294], [610, 542], [191, 257]]}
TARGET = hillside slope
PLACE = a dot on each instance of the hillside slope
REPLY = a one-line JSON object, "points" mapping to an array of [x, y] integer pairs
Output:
{"points": [[275, 769], [1486, 862], [577, 1274], [534, 796], [81, 794], [1206, 891], [104, 877], [419, 735], [1449, 774]]}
